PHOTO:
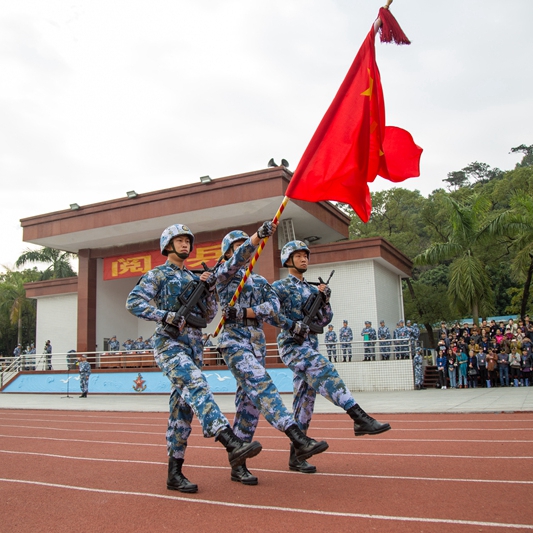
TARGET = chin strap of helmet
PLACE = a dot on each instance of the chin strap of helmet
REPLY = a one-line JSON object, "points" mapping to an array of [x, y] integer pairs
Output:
{"points": [[181, 255], [300, 270]]}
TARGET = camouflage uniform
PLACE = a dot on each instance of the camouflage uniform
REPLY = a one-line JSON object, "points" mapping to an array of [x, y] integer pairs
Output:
{"points": [[346, 337], [384, 336], [243, 346], [84, 369], [415, 335], [113, 345], [417, 363], [128, 345], [180, 359], [331, 340], [369, 334], [401, 344], [312, 371]]}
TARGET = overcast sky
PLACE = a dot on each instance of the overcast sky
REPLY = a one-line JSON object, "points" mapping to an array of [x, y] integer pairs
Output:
{"points": [[99, 97]]}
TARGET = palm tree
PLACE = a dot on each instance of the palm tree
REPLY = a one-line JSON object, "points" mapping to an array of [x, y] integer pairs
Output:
{"points": [[58, 261], [13, 297], [469, 285], [517, 224]]}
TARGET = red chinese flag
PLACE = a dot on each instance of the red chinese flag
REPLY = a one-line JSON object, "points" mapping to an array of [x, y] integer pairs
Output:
{"points": [[352, 145]]}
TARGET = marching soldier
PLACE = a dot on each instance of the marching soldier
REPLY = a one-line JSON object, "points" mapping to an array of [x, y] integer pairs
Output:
{"points": [[178, 351], [298, 346], [243, 347]]}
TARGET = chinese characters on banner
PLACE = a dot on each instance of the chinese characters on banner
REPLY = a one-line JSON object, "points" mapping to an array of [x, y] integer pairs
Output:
{"points": [[135, 265]]}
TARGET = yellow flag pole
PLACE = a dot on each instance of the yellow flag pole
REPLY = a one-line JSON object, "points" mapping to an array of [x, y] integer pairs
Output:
{"points": [[252, 263]]}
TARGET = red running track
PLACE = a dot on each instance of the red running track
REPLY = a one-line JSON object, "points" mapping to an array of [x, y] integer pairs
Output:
{"points": [[65, 471]]}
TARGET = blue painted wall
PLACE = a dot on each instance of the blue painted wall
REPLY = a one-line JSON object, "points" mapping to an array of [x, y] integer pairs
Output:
{"points": [[124, 382]]}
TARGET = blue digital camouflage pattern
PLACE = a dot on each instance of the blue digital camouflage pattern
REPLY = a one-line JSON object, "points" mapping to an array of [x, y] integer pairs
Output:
{"points": [[312, 371], [384, 346], [84, 368], [330, 338], [417, 364], [113, 345], [401, 342], [369, 334], [244, 347], [180, 359], [346, 337]]}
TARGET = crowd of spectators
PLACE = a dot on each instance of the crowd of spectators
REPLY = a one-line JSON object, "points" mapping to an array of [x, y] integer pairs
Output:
{"points": [[490, 355]]}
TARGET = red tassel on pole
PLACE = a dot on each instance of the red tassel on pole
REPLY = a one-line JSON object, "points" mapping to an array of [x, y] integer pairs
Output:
{"points": [[390, 31]]}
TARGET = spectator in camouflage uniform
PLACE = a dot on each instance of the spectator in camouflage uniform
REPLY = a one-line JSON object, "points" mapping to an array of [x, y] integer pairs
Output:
{"points": [[84, 369], [113, 345], [346, 338], [243, 347], [369, 335], [331, 343], [384, 337], [178, 351], [419, 374], [298, 346], [401, 341]]}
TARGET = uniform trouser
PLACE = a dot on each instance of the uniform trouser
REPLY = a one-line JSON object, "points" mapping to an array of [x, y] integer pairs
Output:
{"points": [[370, 353], [346, 351], [84, 382], [332, 353], [314, 373], [190, 395], [256, 393]]}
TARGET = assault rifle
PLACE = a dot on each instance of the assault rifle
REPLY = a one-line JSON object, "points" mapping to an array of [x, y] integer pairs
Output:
{"points": [[312, 309], [192, 296]]}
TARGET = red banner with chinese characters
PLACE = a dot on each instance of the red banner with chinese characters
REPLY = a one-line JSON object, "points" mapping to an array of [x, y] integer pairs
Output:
{"points": [[135, 265]]}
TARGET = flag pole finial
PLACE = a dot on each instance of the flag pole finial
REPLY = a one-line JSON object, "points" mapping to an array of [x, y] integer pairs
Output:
{"points": [[387, 5]]}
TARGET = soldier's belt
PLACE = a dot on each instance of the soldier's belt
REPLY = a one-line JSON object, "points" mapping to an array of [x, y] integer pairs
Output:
{"points": [[247, 322]]}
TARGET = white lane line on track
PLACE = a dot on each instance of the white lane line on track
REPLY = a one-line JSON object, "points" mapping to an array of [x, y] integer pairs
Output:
{"points": [[163, 418], [318, 474], [192, 500], [364, 439], [314, 428]]}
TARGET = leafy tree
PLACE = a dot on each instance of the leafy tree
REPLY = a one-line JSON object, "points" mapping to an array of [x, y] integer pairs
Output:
{"points": [[14, 307], [527, 160], [517, 225], [395, 217], [58, 262], [456, 180], [469, 286]]}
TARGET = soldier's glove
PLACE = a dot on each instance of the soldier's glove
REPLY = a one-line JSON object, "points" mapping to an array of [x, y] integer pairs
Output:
{"points": [[234, 313], [175, 320], [299, 329], [266, 230]]}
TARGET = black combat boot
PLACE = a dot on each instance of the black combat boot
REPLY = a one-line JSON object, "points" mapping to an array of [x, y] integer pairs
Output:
{"points": [[364, 424], [176, 480], [304, 447], [299, 466], [238, 450], [243, 475], [83, 395]]}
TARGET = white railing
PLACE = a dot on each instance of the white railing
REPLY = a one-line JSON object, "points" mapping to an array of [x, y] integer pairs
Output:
{"points": [[134, 359]]}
